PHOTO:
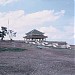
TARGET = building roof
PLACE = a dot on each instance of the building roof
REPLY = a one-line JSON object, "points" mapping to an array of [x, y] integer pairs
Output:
{"points": [[59, 42], [34, 32], [35, 36]]}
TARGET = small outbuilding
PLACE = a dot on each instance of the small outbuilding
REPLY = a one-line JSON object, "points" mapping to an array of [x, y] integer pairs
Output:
{"points": [[35, 35]]}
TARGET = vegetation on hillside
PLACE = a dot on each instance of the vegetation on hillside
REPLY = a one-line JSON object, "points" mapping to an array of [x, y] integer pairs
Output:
{"points": [[4, 31], [11, 49]]}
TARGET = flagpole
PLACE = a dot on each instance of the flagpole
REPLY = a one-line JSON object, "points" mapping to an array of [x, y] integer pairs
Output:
{"points": [[8, 24]]}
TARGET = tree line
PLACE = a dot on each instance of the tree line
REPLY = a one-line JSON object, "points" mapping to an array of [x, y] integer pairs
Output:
{"points": [[4, 32]]}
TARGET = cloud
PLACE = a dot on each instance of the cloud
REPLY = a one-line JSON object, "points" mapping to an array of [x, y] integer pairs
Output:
{"points": [[4, 2], [21, 22], [58, 35], [19, 18], [52, 32], [67, 33]]}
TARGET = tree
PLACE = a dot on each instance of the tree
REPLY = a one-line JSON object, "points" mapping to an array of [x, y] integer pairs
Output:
{"points": [[3, 32], [0, 33], [11, 34]]}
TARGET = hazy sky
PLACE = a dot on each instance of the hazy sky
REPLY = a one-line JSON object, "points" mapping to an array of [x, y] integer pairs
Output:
{"points": [[53, 17]]}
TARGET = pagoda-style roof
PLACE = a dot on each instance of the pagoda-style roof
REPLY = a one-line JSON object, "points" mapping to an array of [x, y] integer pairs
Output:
{"points": [[34, 32], [35, 36]]}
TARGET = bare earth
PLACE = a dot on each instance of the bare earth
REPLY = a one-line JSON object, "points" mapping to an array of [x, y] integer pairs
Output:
{"points": [[38, 62]]}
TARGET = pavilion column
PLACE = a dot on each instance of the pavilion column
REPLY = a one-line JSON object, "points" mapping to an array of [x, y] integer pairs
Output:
{"points": [[42, 39], [45, 39], [32, 39], [39, 40], [35, 40]]}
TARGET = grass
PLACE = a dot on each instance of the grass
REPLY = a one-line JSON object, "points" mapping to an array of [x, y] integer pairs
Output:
{"points": [[11, 49]]}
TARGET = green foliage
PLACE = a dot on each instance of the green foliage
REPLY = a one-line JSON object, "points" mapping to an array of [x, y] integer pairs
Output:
{"points": [[0, 34], [11, 49], [3, 32], [11, 34]]}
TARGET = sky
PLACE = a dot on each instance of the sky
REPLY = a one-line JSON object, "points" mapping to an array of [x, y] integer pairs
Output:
{"points": [[53, 17]]}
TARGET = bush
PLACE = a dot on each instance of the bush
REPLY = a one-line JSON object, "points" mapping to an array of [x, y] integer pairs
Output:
{"points": [[11, 49]]}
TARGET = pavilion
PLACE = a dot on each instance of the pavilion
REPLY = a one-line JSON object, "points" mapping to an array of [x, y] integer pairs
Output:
{"points": [[35, 35]]}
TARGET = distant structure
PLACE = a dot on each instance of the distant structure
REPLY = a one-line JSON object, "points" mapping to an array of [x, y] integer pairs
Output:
{"points": [[35, 35], [38, 38]]}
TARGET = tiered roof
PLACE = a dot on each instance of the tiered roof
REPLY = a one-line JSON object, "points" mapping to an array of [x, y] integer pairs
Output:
{"points": [[34, 32]]}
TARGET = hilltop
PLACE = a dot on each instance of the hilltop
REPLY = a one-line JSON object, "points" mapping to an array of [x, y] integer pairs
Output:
{"points": [[35, 61]]}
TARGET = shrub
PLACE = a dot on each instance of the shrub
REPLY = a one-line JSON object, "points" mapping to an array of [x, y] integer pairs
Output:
{"points": [[11, 49]]}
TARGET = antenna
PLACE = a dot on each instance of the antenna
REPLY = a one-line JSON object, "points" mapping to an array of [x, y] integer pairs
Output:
{"points": [[8, 24]]}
